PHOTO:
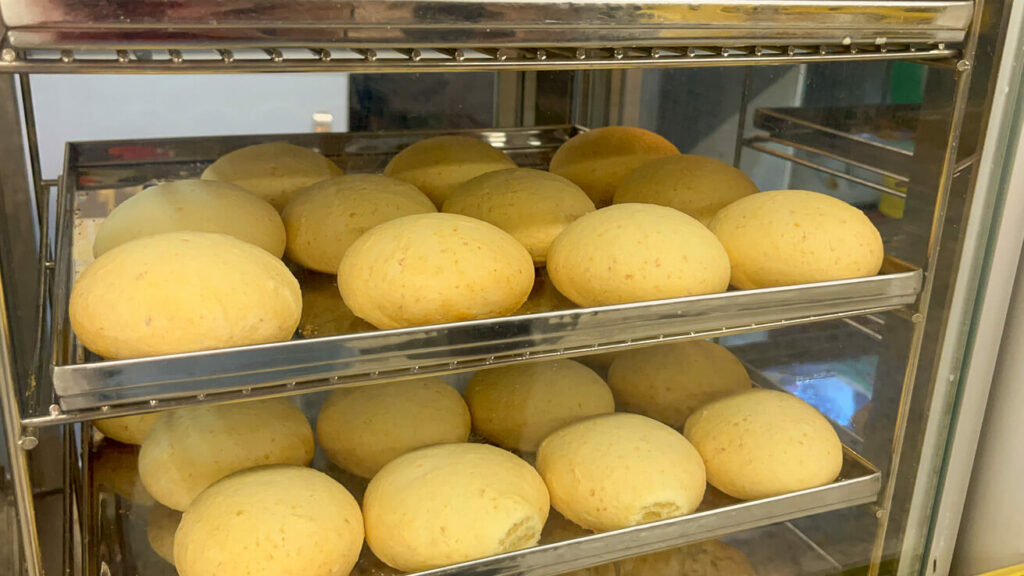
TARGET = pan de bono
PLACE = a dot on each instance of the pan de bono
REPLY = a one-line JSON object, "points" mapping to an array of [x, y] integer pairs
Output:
{"points": [[438, 165], [127, 429], [161, 524]]}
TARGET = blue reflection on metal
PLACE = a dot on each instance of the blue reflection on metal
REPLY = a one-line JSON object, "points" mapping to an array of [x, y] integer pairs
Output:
{"points": [[837, 389]]}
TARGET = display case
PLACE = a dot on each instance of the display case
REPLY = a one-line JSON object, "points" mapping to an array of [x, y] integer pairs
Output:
{"points": [[901, 108]]}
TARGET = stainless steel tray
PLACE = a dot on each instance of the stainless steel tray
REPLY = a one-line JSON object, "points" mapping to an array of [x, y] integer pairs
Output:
{"points": [[100, 174]]}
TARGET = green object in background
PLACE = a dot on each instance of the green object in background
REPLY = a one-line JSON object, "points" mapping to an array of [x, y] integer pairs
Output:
{"points": [[906, 83]]}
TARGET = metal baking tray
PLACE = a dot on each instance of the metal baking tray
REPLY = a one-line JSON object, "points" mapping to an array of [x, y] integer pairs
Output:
{"points": [[98, 175]]}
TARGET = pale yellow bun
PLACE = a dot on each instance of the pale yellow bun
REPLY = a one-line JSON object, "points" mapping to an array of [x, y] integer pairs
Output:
{"points": [[434, 268], [599, 159], [531, 205], [696, 185], [183, 292], [517, 406], [273, 520], [324, 312], [115, 469], [618, 470], [127, 429], [197, 206], [669, 381], [634, 253], [599, 363], [440, 164], [324, 219], [362, 428], [764, 443], [544, 297], [451, 503], [161, 524], [191, 448], [273, 171], [786, 237]]}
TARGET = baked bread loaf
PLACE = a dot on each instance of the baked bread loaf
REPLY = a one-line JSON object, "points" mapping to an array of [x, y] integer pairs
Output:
{"points": [[786, 237], [274, 171], [161, 524], [193, 205], [191, 448], [764, 443], [451, 503], [695, 185], [531, 205], [438, 165], [183, 292], [636, 252], [618, 470], [669, 381], [517, 406], [127, 429], [324, 219], [599, 159], [434, 268], [362, 428], [270, 521], [115, 468], [324, 312]]}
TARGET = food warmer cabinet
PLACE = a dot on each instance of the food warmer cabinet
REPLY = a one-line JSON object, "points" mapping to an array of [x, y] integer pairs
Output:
{"points": [[903, 108]]}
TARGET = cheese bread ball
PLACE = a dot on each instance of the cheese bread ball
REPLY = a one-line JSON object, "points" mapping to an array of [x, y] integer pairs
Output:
{"points": [[531, 205], [324, 312], [115, 469], [765, 443], [440, 164], [434, 268], [786, 237], [191, 448], [599, 159], [127, 429], [161, 524], [324, 219], [636, 252], [618, 470], [274, 171], [451, 503], [183, 292], [517, 406], [669, 381], [270, 521], [696, 185], [544, 297], [362, 428]]}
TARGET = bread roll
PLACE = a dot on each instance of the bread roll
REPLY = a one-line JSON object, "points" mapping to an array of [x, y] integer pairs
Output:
{"points": [[438, 165], [517, 406], [434, 268], [787, 237], [161, 524], [362, 428], [270, 521], [324, 312], [274, 171], [127, 429], [765, 443], [531, 205], [618, 470], [191, 448], [115, 469], [451, 503], [183, 292], [695, 185], [197, 206], [324, 219], [668, 382], [599, 159], [636, 252], [544, 297]]}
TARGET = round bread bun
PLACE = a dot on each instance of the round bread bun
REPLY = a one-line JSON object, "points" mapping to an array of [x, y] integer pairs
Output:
{"points": [[434, 268], [127, 429], [531, 205], [764, 443], [544, 297], [599, 363], [324, 312], [695, 185], [191, 448], [197, 206], [274, 171], [618, 470], [183, 292], [440, 164], [599, 159], [634, 253], [161, 524], [272, 520], [451, 503], [669, 381], [787, 237], [115, 468], [362, 428], [324, 219], [517, 406]]}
